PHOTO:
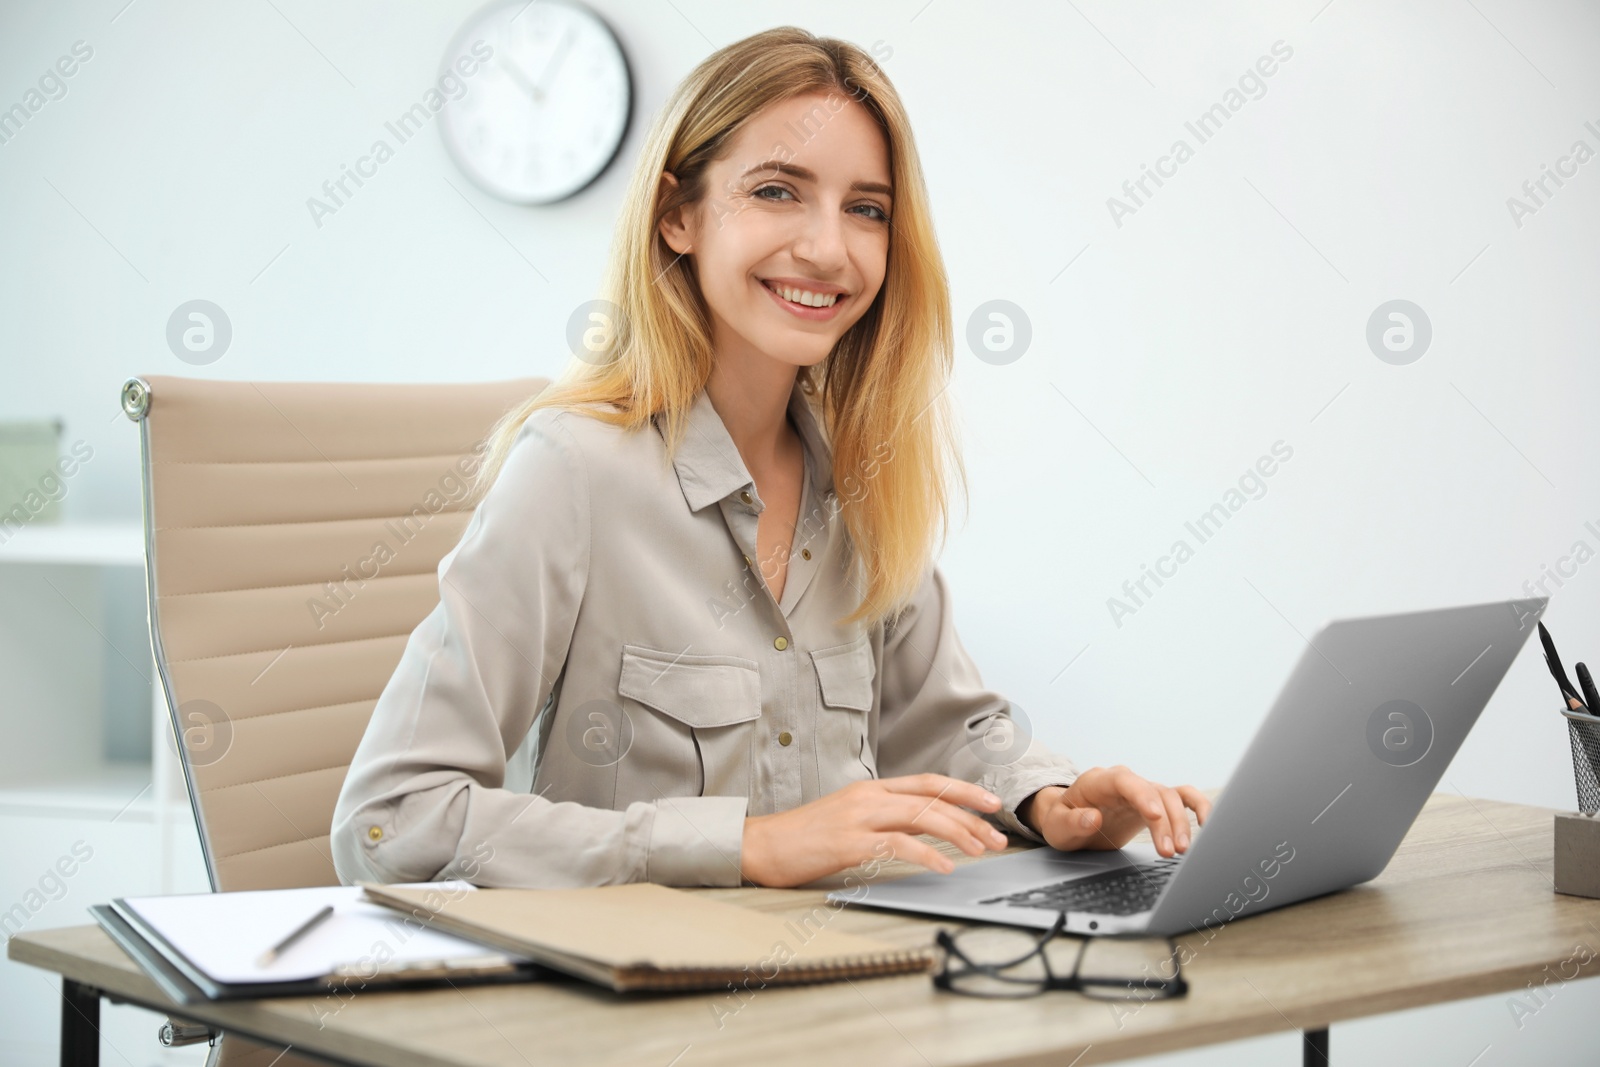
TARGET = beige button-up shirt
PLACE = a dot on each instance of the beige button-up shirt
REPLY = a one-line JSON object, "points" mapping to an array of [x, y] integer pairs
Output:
{"points": [[607, 686]]}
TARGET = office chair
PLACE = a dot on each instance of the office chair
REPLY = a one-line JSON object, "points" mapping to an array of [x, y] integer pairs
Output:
{"points": [[293, 533]]}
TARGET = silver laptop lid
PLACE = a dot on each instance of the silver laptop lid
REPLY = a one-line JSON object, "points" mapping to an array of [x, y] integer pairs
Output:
{"points": [[1357, 740]]}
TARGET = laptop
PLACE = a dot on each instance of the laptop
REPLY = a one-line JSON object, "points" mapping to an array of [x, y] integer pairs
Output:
{"points": [[1358, 738]]}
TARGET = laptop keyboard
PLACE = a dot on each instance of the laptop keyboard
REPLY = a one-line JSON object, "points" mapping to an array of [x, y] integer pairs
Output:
{"points": [[1124, 891]]}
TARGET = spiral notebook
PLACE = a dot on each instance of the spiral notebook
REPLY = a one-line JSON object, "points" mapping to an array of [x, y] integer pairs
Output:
{"points": [[644, 936]]}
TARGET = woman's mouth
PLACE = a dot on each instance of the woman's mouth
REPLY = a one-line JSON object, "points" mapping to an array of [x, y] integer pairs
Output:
{"points": [[805, 304]]}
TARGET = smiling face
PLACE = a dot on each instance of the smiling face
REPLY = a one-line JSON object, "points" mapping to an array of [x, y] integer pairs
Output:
{"points": [[790, 242]]}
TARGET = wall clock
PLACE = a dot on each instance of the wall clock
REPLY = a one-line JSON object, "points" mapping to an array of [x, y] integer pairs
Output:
{"points": [[546, 114]]}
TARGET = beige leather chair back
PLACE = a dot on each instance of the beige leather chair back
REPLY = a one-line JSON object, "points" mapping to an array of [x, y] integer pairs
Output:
{"points": [[293, 534]]}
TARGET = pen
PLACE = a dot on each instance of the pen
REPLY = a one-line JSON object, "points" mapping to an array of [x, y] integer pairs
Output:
{"points": [[1590, 697], [296, 934], [1558, 672]]}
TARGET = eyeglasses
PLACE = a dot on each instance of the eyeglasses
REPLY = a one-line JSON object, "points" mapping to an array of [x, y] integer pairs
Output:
{"points": [[1001, 961]]}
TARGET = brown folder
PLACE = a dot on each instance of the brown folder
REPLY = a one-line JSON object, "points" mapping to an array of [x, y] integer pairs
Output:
{"points": [[647, 936]]}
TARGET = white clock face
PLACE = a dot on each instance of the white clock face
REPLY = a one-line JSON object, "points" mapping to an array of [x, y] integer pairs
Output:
{"points": [[546, 113]]}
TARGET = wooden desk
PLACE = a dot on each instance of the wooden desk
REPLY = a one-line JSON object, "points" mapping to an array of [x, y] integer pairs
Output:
{"points": [[1466, 908]]}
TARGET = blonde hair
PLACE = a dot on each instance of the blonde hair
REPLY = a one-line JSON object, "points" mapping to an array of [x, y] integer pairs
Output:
{"points": [[882, 390]]}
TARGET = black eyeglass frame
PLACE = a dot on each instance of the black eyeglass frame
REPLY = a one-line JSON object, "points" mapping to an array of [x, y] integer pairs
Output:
{"points": [[1169, 988]]}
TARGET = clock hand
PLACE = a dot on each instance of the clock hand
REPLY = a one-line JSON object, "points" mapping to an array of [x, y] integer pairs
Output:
{"points": [[516, 74], [554, 64]]}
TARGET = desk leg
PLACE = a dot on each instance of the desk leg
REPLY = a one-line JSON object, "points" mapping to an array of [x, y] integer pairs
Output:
{"points": [[1316, 1048], [80, 1025]]}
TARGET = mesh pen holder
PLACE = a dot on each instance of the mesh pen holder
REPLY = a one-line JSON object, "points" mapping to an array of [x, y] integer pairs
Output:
{"points": [[1584, 732]]}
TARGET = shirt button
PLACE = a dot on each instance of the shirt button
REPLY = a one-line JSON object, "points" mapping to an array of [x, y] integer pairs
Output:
{"points": [[745, 496], [784, 738], [780, 643], [747, 561], [806, 553], [374, 833]]}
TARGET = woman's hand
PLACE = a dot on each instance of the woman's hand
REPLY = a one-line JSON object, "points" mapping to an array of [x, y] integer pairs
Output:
{"points": [[849, 826], [1106, 807]]}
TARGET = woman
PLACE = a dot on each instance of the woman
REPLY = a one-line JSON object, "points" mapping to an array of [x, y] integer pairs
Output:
{"points": [[702, 566]]}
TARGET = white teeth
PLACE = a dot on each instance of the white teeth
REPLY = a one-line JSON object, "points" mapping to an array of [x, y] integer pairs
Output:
{"points": [[809, 299]]}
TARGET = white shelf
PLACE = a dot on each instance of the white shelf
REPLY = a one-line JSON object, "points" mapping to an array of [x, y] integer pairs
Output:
{"points": [[93, 544], [110, 791], [142, 796]]}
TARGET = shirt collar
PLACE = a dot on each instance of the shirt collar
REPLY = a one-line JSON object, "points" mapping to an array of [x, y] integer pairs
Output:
{"points": [[708, 462]]}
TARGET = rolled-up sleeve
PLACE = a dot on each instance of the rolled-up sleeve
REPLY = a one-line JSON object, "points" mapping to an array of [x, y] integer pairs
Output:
{"points": [[425, 795], [937, 715]]}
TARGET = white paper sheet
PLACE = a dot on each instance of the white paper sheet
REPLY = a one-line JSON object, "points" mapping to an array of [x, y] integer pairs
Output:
{"points": [[224, 934]]}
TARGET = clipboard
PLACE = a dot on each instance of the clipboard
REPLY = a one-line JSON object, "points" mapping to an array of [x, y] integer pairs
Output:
{"points": [[171, 939]]}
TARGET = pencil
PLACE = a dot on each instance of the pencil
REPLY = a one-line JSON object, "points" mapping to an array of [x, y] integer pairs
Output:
{"points": [[296, 934]]}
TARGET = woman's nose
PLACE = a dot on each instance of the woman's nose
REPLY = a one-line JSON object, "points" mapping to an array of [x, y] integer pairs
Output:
{"points": [[821, 242]]}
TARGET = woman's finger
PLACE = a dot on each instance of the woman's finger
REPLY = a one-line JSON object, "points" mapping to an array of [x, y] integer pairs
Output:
{"points": [[954, 790], [975, 824], [1196, 800], [1144, 797], [966, 831], [1064, 828], [1177, 816], [908, 848]]}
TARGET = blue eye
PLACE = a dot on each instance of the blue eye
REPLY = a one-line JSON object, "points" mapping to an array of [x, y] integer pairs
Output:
{"points": [[765, 188], [881, 216]]}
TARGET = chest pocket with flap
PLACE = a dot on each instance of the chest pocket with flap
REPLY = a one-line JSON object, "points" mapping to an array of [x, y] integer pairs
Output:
{"points": [[689, 716], [844, 752]]}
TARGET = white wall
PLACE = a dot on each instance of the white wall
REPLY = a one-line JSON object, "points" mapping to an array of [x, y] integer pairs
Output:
{"points": [[1227, 313]]}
